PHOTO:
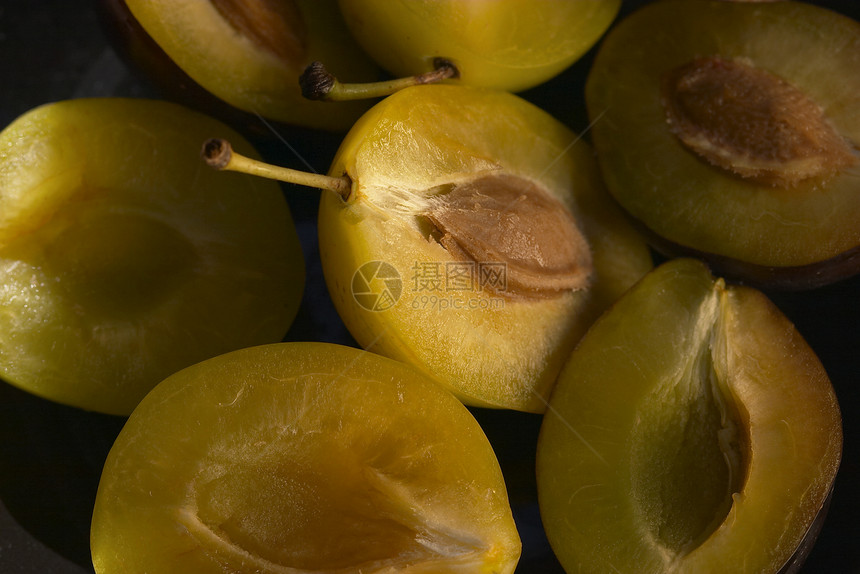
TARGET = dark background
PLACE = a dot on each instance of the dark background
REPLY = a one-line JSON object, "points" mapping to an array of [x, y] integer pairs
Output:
{"points": [[51, 455]]}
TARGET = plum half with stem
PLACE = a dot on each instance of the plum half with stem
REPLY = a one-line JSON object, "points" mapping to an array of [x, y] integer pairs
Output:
{"points": [[469, 236], [734, 135], [692, 430], [122, 261], [510, 44], [247, 53]]}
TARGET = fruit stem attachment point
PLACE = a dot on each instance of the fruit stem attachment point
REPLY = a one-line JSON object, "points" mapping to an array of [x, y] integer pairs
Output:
{"points": [[219, 154], [317, 83]]}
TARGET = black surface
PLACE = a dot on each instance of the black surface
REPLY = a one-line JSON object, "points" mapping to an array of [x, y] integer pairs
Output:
{"points": [[51, 455]]}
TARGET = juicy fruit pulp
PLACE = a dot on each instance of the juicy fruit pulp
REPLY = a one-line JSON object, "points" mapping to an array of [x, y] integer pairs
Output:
{"points": [[476, 243], [122, 260], [250, 53], [302, 457], [691, 429], [510, 45], [721, 142]]}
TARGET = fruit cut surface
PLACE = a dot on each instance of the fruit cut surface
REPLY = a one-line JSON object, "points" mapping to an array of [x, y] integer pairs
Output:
{"points": [[496, 244], [302, 457], [692, 430], [123, 259], [250, 53], [723, 143]]}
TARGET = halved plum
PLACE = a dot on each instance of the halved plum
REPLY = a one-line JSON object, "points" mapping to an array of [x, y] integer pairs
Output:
{"points": [[730, 131], [692, 430], [247, 53], [492, 216], [122, 259], [299, 458]]}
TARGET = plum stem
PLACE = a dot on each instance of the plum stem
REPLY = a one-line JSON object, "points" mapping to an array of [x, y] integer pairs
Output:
{"points": [[219, 154], [317, 83]]}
